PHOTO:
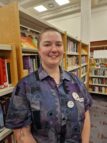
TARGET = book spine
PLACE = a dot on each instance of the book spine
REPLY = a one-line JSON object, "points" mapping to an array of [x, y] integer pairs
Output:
{"points": [[1, 74]]}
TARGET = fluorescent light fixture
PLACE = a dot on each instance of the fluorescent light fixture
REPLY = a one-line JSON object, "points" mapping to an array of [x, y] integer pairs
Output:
{"points": [[40, 8], [62, 2]]}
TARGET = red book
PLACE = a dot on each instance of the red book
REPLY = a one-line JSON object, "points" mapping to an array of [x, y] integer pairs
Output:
{"points": [[4, 72], [1, 74]]}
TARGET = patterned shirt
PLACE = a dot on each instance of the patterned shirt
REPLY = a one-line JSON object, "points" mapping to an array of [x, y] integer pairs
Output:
{"points": [[55, 113]]}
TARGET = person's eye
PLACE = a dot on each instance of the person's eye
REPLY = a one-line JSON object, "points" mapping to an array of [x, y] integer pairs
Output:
{"points": [[59, 44], [47, 45]]}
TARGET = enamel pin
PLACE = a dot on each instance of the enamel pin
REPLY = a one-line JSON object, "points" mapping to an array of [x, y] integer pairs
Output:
{"points": [[75, 96], [70, 104]]}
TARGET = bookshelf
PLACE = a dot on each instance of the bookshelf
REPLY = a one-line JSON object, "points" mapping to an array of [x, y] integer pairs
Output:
{"points": [[8, 79], [84, 63], [98, 68], [20, 24], [77, 58], [8, 67], [6, 132], [29, 50], [15, 26], [12, 24], [23, 23], [72, 55], [98, 77]]}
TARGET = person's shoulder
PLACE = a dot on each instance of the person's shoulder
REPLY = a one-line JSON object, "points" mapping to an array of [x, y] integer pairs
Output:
{"points": [[72, 76], [30, 78]]}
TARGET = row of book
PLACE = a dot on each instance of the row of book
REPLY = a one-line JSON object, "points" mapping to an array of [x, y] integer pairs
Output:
{"points": [[72, 47], [28, 38], [99, 63], [83, 59], [1, 119], [99, 89], [84, 79], [5, 76], [4, 102], [101, 60], [99, 81], [83, 69], [31, 63], [99, 71], [9, 138], [72, 61]]}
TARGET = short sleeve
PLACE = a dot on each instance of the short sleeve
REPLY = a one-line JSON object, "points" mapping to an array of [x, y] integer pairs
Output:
{"points": [[19, 114], [85, 93], [87, 98]]}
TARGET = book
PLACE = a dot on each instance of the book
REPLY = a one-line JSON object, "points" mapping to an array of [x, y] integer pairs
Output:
{"points": [[1, 74], [8, 71], [1, 119], [28, 42], [4, 66]]}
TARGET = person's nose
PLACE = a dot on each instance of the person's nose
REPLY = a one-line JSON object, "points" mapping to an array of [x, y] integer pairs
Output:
{"points": [[54, 48]]}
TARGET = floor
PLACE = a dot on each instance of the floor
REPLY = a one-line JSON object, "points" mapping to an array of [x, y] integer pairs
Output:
{"points": [[98, 114]]}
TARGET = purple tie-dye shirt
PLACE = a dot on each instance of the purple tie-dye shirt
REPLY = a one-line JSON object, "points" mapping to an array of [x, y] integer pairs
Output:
{"points": [[55, 112]]}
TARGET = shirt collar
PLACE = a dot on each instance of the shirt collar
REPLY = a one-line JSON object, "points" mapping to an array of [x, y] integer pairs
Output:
{"points": [[43, 74]]}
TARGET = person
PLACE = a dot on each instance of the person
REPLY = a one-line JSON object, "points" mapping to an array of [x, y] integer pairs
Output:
{"points": [[50, 105]]}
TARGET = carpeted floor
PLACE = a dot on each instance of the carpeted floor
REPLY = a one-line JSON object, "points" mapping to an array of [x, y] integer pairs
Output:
{"points": [[98, 114]]}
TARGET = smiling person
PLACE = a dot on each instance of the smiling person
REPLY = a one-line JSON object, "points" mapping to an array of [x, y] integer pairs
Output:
{"points": [[50, 105]]}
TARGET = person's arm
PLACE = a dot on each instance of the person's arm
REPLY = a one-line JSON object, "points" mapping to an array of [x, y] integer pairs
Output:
{"points": [[23, 135], [86, 128]]}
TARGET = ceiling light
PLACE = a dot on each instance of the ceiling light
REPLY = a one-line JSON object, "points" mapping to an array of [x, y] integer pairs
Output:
{"points": [[62, 2], [40, 8]]}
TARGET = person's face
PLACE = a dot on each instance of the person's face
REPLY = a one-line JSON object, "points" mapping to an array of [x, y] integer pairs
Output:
{"points": [[51, 48]]}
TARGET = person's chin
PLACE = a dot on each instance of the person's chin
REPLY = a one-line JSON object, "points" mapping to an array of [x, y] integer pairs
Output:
{"points": [[54, 63]]}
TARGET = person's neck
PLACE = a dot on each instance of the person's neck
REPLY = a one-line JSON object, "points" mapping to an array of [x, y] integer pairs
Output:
{"points": [[54, 72]]}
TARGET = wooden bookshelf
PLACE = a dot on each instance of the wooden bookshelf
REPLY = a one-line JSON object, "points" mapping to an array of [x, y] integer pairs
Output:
{"points": [[6, 90], [72, 55], [8, 52], [98, 69], [77, 58], [14, 24], [6, 132], [84, 63], [19, 23], [98, 80], [9, 71], [11, 23]]}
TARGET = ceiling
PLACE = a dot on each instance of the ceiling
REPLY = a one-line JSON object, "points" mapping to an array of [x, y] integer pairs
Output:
{"points": [[54, 11]]}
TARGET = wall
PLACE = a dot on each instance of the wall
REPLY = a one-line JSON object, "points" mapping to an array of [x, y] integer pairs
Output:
{"points": [[99, 24], [71, 24]]}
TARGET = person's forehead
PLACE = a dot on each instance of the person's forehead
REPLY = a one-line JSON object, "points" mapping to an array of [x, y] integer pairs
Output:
{"points": [[51, 35]]}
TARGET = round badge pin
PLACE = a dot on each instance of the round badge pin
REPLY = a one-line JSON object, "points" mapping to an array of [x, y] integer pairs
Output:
{"points": [[75, 96], [70, 104]]}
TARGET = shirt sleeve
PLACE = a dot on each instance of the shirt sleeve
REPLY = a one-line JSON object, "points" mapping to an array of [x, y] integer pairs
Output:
{"points": [[19, 114], [87, 97]]}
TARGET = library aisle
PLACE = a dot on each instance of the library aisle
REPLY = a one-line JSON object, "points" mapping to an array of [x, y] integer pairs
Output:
{"points": [[98, 115]]}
